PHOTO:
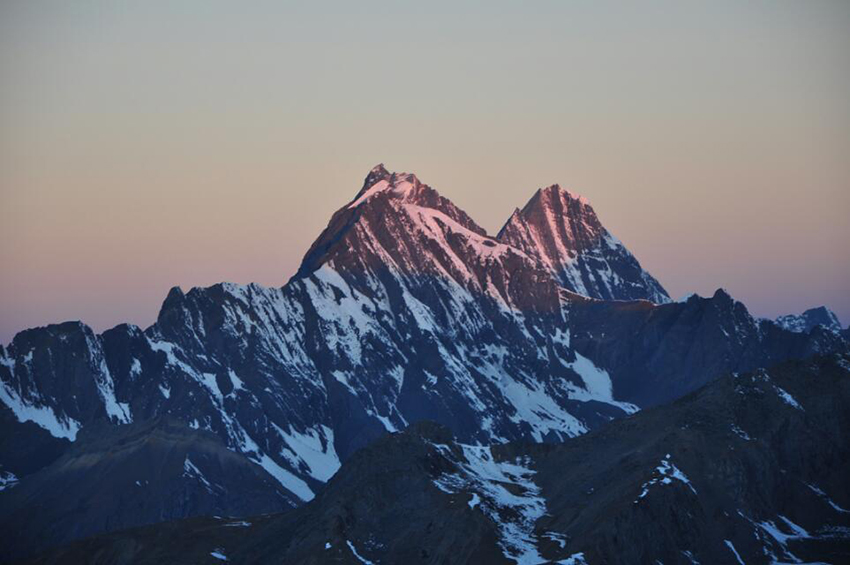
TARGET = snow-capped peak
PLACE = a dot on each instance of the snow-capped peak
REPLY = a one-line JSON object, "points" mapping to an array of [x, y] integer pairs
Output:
{"points": [[398, 221], [401, 220], [377, 173], [398, 185], [562, 230], [805, 322]]}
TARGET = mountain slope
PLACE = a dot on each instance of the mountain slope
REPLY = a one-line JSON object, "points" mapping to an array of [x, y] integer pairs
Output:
{"points": [[403, 310], [751, 468], [656, 354], [563, 232], [117, 477]]}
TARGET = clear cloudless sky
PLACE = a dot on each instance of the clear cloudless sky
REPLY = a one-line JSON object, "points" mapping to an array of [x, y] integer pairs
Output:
{"points": [[150, 144]]}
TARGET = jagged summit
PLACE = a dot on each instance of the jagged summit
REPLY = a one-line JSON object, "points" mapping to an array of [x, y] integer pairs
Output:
{"points": [[563, 231], [557, 191], [405, 186], [378, 172], [398, 185], [398, 221], [563, 223]]}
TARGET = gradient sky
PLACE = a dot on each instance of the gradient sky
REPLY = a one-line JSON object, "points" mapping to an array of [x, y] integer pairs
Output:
{"points": [[151, 144]]}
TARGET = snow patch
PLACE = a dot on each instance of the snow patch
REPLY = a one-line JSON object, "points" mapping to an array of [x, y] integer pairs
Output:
{"points": [[289, 481], [734, 551], [379, 186], [667, 472], [7, 480], [597, 383], [741, 433], [827, 499], [313, 448], [135, 369], [43, 416], [359, 557], [235, 381], [192, 472], [787, 398], [514, 510], [558, 538], [119, 411]]}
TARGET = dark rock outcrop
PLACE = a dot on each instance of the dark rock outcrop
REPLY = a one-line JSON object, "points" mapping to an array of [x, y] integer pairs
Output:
{"points": [[116, 477]]}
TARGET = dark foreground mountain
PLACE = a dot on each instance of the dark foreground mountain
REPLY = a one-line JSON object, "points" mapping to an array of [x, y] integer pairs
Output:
{"points": [[752, 468], [117, 477], [403, 310]]}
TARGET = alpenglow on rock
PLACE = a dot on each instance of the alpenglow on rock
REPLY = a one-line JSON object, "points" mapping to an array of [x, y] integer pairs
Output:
{"points": [[563, 232]]}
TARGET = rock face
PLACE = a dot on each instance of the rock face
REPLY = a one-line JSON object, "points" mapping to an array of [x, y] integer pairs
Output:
{"points": [[806, 322], [656, 354], [403, 310], [563, 232], [751, 468]]}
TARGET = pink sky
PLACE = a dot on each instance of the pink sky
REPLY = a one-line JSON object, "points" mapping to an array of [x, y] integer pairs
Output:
{"points": [[143, 146]]}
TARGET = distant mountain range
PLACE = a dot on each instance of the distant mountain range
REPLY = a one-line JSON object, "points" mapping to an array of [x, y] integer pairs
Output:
{"points": [[808, 320], [243, 400]]}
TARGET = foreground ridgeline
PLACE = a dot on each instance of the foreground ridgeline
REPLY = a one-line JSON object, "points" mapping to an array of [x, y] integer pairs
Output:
{"points": [[752, 468], [243, 400]]}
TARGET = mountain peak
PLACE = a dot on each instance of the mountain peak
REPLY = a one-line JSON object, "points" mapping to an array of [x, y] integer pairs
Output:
{"points": [[398, 185], [380, 170], [805, 322], [384, 215], [557, 191], [723, 295], [562, 230], [516, 216], [378, 173], [397, 218]]}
